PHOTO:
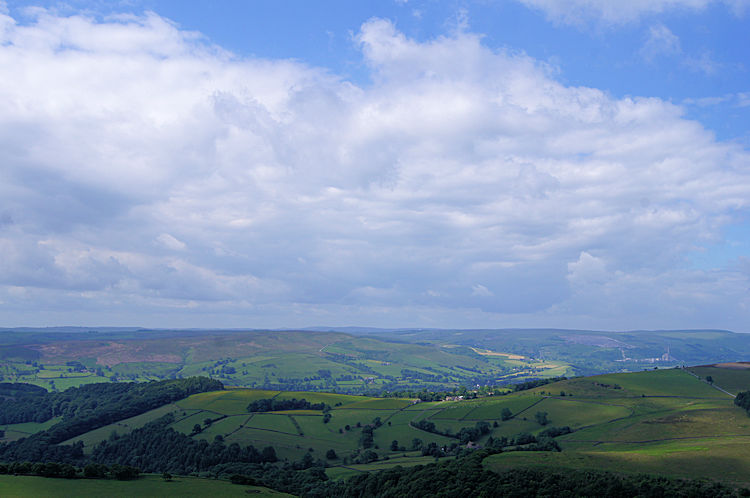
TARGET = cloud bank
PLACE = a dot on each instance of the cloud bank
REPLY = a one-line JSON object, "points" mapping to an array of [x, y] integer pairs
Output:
{"points": [[148, 176]]}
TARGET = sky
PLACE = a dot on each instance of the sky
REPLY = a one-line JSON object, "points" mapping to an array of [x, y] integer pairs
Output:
{"points": [[391, 163]]}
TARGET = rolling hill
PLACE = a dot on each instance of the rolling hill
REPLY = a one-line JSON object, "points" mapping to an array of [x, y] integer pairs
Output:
{"points": [[670, 422], [357, 361]]}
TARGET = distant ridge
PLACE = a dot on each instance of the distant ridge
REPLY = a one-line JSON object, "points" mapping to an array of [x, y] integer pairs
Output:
{"points": [[358, 330]]}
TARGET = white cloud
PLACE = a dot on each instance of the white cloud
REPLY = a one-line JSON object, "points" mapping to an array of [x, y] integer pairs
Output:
{"points": [[171, 242], [579, 12], [710, 101], [481, 291], [661, 42], [587, 269], [704, 63], [148, 170]]}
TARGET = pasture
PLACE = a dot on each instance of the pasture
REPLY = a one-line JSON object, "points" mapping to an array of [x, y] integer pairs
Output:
{"points": [[663, 422], [145, 486], [732, 377]]}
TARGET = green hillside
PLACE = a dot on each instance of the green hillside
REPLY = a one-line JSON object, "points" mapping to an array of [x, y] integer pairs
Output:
{"points": [[658, 419], [678, 425], [666, 421], [366, 361], [281, 360]]}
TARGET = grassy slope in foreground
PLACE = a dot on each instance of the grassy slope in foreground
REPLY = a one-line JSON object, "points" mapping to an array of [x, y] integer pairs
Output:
{"points": [[678, 426], [145, 486]]}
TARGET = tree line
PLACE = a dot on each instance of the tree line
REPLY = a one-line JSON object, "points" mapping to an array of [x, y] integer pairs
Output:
{"points": [[275, 405], [156, 447], [84, 409], [104, 401], [67, 471], [464, 434], [467, 477]]}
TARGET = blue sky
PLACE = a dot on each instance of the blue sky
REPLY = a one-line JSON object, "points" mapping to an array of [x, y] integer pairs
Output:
{"points": [[392, 163]]}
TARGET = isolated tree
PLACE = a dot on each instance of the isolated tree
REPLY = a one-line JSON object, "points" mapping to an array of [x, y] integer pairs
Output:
{"points": [[416, 444], [541, 417], [331, 454], [506, 414], [709, 379], [366, 439]]}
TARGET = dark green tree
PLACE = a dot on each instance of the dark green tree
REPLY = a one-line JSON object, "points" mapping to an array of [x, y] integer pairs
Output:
{"points": [[541, 418]]}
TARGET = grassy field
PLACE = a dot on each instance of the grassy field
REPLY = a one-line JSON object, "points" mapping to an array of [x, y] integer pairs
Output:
{"points": [[145, 486], [17, 431], [589, 406], [661, 422], [722, 459], [296, 432], [407, 459], [733, 380]]}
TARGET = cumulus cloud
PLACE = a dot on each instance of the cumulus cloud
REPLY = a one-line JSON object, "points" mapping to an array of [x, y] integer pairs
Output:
{"points": [[145, 169], [578, 12]]}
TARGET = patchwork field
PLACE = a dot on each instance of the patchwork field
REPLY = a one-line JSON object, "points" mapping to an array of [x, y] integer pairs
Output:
{"points": [[667, 421], [287, 360], [609, 414]]}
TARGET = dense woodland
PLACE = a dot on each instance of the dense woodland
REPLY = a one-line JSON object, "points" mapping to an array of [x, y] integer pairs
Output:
{"points": [[83, 409], [159, 448], [272, 405], [107, 402]]}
